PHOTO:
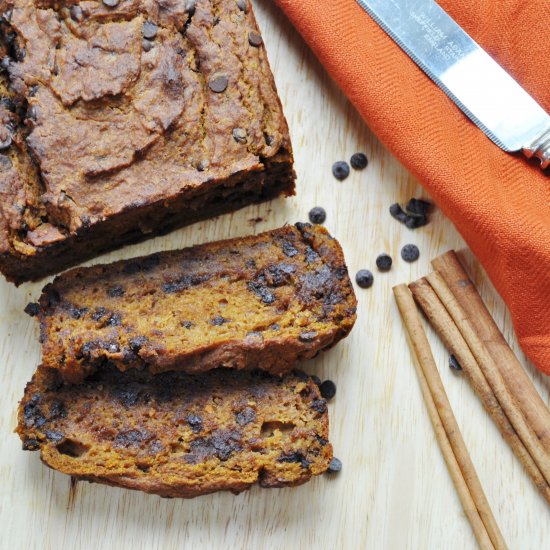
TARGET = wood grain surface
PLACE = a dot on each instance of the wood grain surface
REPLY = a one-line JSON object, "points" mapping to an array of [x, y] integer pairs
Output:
{"points": [[394, 491]]}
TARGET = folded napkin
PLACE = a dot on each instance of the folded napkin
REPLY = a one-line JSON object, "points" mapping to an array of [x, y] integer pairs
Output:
{"points": [[500, 203]]}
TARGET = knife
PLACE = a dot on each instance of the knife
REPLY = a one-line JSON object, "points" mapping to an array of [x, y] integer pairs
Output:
{"points": [[480, 87]]}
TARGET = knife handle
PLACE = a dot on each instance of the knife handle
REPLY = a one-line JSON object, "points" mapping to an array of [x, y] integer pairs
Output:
{"points": [[540, 148]]}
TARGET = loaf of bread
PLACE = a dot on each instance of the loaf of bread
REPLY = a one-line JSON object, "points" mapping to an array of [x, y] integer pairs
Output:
{"points": [[264, 301], [123, 120], [178, 435]]}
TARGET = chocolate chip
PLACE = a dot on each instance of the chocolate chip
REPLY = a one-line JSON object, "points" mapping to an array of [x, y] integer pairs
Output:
{"points": [[359, 161], [297, 457], [149, 30], [319, 405], [364, 278], [5, 63], [190, 6], [397, 212], [316, 379], [340, 170], [308, 336], [76, 13], [111, 3], [242, 5], [275, 326], [410, 253], [246, 416], [328, 389], [147, 45], [99, 313], [218, 84], [32, 309], [454, 364], [239, 135], [255, 39], [289, 250], [317, 215], [413, 222], [335, 466], [8, 104], [114, 320], [5, 163], [269, 140], [265, 295], [115, 291], [137, 343], [54, 435], [383, 262], [418, 207], [186, 324], [195, 422], [218, 320], [6, 143], [32, 113], [202, 165]]}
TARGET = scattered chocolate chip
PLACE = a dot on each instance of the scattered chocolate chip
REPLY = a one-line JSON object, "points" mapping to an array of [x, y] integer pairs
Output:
{"points": [[340, 170], [308, 336], [115, 291], [275, 326], [413, 222], [297, 457], [5, 63], [359, 161], [147, 45], [410, 253], [317, 215], [111, 3], [242, 5], [418, 207], [149, 30], [111, 347], [335, 466], [99, 313], [218, 84], [265, 295], [319, 405], [32, 309], [397, 212], [328, 389], [364, 278], [255, 39], [76, 13], [239, 135], [8, 104], [384, 262], [186, 324], [114, 320], [190, 6], [218, 320], [316, 379], [54, 435], [454, 364], [6, 143], [6, 16], [270, 140]]}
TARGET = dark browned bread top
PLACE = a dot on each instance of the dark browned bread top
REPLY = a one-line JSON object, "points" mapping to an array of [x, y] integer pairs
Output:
{"points": [[263, 301], [178, 435], [107, 108]]}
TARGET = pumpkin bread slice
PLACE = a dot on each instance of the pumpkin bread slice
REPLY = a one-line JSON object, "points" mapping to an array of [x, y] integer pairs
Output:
{"points": [[176, 434], [263, 301]]}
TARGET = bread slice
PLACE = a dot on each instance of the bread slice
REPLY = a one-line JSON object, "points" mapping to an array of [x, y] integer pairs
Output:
{"points": [[263, 301], [175, 434]]}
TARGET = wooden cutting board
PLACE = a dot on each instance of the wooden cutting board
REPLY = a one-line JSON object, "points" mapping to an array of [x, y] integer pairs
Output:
{"points": [[394, 491]]}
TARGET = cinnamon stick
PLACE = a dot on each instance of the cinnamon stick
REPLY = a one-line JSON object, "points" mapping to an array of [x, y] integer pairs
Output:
{"points": [[533, 407], [492, 374], [446, 428], [452, 338]]}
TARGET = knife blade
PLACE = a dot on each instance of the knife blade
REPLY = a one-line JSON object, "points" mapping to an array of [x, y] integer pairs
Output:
{"points": [[480, 87]]}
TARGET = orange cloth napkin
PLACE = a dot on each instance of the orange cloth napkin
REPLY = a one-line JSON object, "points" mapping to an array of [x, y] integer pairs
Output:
{"points": [[499, 202]]}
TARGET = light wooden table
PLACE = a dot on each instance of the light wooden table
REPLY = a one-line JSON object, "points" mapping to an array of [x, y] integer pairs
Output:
{"points": [[394, 491]]}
